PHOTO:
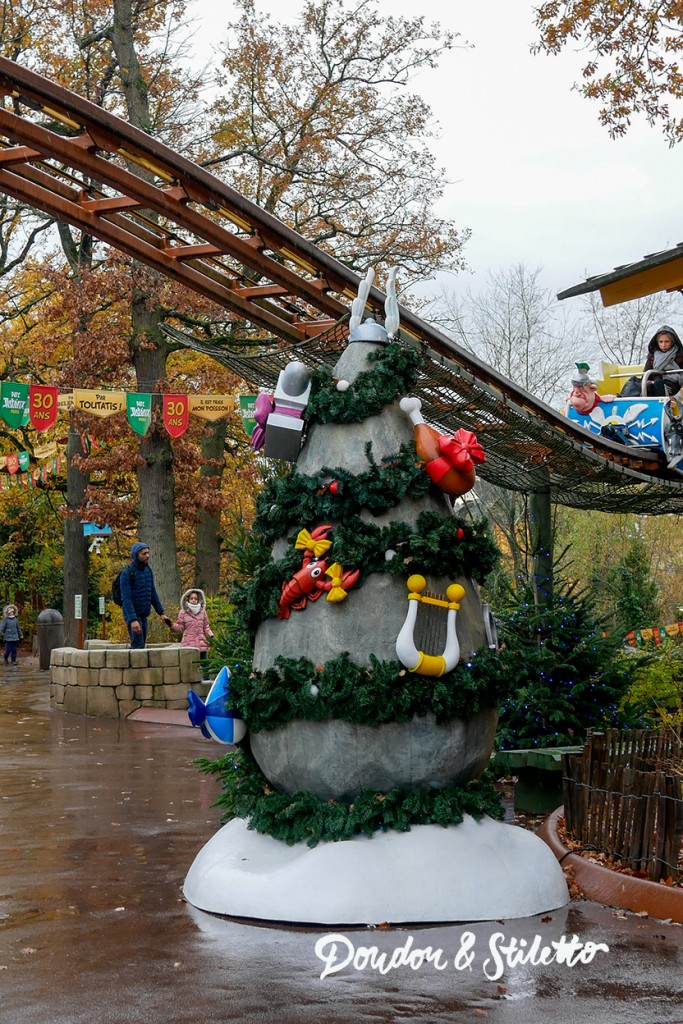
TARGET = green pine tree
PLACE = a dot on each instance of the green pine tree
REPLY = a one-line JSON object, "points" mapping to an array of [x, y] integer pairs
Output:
{"points": [[567, 675]]}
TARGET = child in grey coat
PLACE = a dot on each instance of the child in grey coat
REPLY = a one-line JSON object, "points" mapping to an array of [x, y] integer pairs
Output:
{"points": [[10, 631]]}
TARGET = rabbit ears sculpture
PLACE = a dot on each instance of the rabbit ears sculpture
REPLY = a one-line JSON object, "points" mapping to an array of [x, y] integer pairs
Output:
{"points": [[369, 330]]}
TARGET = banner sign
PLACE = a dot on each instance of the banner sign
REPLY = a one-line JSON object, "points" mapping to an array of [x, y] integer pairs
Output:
{"points": [[42, 407], [100, 403], [211, 407], [637, 637], [139, 410], [247, 412], [176, 412], [44, 451], [39, 405], [13, 402]]}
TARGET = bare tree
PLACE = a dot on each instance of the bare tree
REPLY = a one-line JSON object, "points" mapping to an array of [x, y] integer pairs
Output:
{"points": [[621, 333], [518, 327]]}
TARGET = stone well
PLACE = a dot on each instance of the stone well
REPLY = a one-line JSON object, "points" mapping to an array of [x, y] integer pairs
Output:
{"points": [[113, 681]]}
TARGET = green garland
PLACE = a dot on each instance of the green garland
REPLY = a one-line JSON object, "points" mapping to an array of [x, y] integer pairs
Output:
{"points": [[384, 692], [394, 374], [306, 818], [296, 500], [446, 547], [440, 546]]}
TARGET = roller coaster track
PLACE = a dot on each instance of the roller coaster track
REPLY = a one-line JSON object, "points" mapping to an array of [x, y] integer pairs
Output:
{"points": [[76, 162]]}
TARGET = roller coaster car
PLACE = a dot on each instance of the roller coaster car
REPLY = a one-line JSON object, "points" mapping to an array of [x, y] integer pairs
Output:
{"points": [[640, 421]]}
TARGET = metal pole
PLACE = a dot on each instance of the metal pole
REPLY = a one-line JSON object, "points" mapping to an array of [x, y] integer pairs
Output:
{"points": [[541, 531]]}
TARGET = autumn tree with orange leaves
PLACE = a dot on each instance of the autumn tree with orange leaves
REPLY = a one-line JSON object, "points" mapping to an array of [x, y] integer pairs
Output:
{"points": [[107, 51], [633, 50], [314, 121]]}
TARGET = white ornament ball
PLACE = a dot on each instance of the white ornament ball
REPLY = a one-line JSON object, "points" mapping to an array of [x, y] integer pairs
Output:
{"points": [[343, 385], [314, 690], [389, 555]]}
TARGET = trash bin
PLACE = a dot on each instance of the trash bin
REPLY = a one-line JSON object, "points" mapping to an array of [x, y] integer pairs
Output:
{"points": [[50, 629]]}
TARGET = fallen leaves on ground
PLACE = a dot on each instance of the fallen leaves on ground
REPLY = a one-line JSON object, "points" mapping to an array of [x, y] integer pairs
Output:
{"points": [[610, 861]]}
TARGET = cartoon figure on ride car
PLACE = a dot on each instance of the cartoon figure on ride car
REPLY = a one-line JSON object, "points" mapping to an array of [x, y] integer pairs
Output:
{"points": [[635, 417]]}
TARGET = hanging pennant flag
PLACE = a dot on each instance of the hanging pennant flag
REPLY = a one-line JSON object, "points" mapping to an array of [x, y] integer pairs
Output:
{"points": [[24, 461], [247, 403], [139, 410], [13, 464], [100, 403], [42, 406], [176, 412], [65, 401], [85, 441], [13, 402], [44, 451], [211, 407]]}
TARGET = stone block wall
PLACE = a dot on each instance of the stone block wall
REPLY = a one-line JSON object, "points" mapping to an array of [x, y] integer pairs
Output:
{"points": [[113, 681]]}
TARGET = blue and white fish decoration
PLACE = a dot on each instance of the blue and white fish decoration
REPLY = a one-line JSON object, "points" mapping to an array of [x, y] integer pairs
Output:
{"points": [[213, 716]]}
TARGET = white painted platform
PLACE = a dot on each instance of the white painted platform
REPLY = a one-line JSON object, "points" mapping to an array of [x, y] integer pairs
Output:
{"points": [[476, 871]]}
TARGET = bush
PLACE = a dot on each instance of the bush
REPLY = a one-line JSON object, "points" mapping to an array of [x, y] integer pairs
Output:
{"points": [[655, 696]]}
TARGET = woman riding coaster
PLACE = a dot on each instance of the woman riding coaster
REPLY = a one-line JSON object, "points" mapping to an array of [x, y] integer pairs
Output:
{"points": [[665, 355], [664, 358]]}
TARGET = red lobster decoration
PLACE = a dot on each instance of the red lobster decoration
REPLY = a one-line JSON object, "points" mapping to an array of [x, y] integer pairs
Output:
{"points": [[308, 584]]}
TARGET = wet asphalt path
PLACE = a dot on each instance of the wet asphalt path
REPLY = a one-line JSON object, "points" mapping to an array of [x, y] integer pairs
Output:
{"points": [[99, 822]]}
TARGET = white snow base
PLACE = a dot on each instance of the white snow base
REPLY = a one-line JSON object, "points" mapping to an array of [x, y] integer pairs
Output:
{"points": [[476, 871]]}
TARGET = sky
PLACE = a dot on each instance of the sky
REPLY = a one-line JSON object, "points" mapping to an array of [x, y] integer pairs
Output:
{"points": [[531, 171]]}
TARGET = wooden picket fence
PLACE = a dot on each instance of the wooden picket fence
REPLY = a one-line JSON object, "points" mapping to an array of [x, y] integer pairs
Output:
{"points": [[623, 796]]}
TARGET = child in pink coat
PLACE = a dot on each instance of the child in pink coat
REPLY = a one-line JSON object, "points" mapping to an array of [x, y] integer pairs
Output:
{"points": [[193, 622]]}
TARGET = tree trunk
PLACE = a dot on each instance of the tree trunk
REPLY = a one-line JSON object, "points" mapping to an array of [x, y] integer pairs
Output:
{"points": [[155, 477], [75, 545], [208, 535], [156, 485], [135, 87]]}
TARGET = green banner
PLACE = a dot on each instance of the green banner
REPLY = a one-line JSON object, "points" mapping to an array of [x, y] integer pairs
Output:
{"points": [[24, 461], [139, 410], [247, 412], [13, 403]]}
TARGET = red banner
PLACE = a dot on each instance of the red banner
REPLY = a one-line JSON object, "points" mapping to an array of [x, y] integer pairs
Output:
{"points": [[42, 406], [176, 414], [13, 464]]}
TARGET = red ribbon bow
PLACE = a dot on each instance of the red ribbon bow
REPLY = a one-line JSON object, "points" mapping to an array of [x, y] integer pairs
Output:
{"points": [[460, 452]]}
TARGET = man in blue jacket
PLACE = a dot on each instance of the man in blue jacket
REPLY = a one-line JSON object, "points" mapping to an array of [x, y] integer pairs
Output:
{"points": [[139, 595]]}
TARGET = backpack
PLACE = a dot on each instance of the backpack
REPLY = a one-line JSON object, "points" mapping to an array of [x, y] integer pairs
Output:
{"points": [[632, 388], [116, 585]]}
